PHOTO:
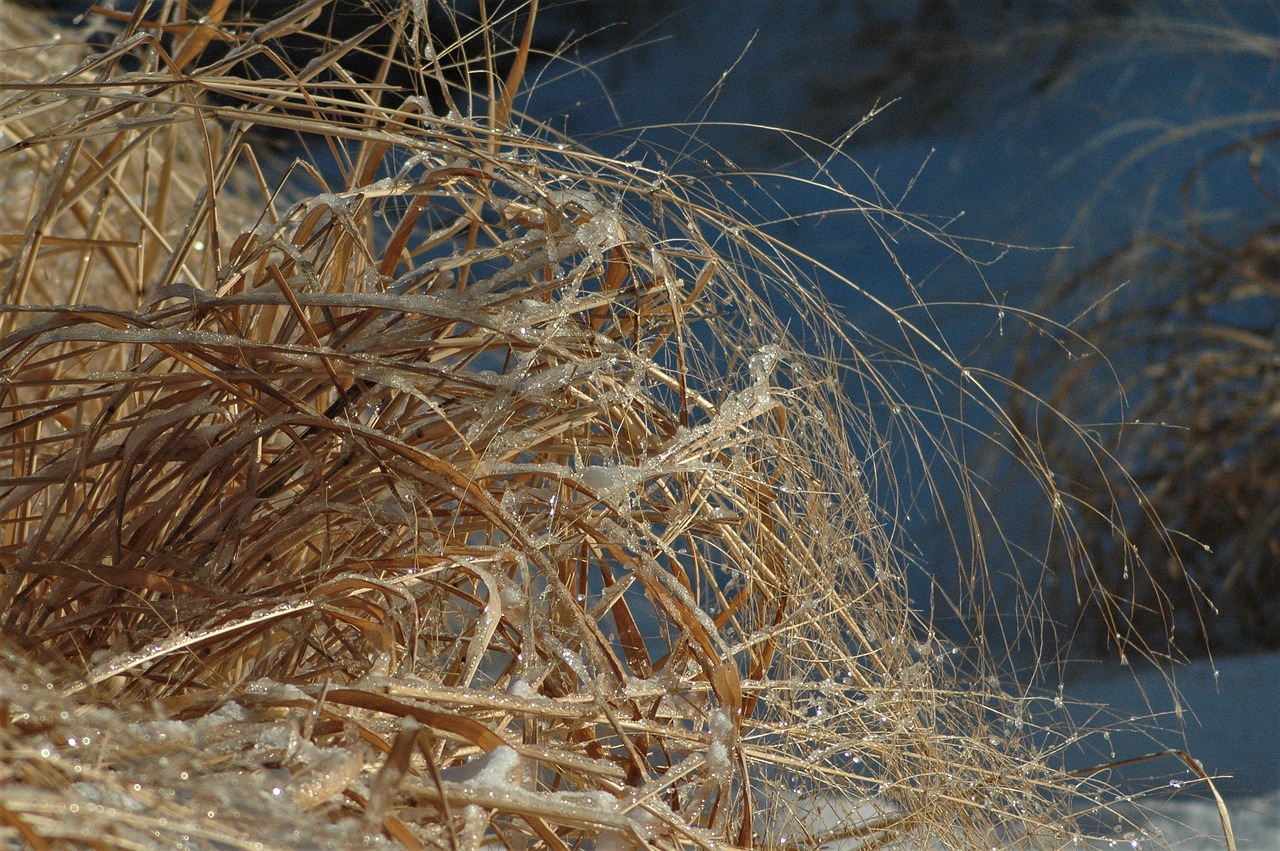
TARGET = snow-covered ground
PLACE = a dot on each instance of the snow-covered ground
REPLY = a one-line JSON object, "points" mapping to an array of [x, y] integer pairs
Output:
{"points": [[1230, 724], [1189, 825]]}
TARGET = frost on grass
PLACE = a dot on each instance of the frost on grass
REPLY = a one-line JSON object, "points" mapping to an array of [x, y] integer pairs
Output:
{"points": [[472, 494]]}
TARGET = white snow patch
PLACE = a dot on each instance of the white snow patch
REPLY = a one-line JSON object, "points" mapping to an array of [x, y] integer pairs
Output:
{"points": [[613, 482], [720, 747]]}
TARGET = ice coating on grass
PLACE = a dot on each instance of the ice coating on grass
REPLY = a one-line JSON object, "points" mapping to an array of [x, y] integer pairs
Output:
{"points": [[757, 398], [737, 409], [328, 773], [583, 199], [614, 842], [420, 13], [503, 778], [612, 482], [537, 386], [602, 231], [340, 203]]}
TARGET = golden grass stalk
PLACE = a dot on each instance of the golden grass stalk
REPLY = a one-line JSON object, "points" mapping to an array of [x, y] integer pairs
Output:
{"points": [[472, 497]]}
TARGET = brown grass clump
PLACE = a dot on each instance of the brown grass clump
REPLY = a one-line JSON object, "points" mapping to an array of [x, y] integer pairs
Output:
{"points": [[1189, 319], [470, 494]]}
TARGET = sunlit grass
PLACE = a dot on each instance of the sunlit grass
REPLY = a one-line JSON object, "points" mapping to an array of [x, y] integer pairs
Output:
{"points": [[464, 491]]}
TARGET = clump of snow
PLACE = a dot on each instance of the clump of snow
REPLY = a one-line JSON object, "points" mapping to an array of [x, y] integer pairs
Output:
{"points": [[722, 740], [501, 768], [613, 482]]}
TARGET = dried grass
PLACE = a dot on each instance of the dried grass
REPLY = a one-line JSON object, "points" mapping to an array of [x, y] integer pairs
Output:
{"points": [[1189, 319], [478, 499]]}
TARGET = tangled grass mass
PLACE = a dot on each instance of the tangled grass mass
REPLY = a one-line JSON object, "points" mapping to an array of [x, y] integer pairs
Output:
{"points": [[455, 487]]}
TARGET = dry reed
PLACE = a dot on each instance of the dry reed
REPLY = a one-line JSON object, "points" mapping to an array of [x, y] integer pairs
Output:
{"points": [[472, 496]]}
